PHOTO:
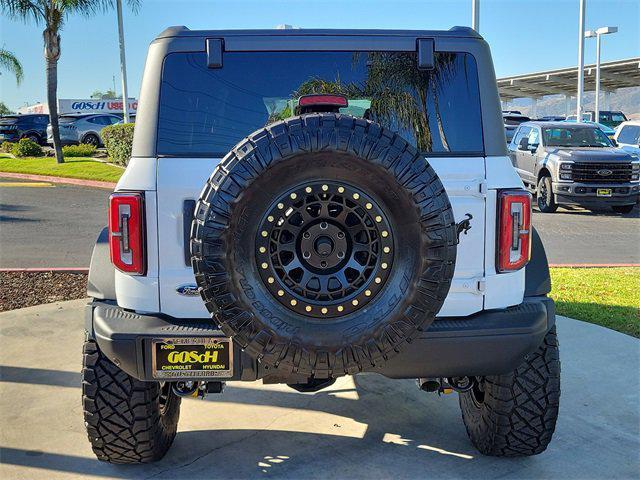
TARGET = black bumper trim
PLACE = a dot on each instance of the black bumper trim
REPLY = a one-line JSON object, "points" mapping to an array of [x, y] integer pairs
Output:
{"points": [[595, 201], [125, 338], [491, 342], [487, 343]]}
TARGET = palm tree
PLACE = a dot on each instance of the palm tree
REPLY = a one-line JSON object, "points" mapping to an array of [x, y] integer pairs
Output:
{"points": [[398, 92], [51, 14], [9, 62]]}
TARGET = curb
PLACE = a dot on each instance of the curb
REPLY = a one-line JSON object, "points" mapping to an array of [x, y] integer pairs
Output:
{"points": [[44, 270], [70, 181], [593, 265]]}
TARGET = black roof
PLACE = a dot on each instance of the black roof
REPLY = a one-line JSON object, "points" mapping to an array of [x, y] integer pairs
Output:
{"points": [[182, 31]]}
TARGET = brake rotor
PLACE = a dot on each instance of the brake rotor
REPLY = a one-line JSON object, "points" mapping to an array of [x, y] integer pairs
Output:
{"points": [[324, 249]]}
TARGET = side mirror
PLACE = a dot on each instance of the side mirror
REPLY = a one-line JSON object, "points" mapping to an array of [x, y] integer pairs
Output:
{"points": [[533, 147], [524, 144]]}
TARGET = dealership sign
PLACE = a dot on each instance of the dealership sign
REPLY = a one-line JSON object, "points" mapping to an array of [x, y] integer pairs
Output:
{"points": [[84, 105]]}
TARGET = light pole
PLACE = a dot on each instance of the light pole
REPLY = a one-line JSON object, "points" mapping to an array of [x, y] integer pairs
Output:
{"points": [[580, 61], [123, 64], [598, 34], [475, 15]]}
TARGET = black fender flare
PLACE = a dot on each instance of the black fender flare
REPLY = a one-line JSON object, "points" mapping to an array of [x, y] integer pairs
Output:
{"points": [[101, 282], [537, 278]]}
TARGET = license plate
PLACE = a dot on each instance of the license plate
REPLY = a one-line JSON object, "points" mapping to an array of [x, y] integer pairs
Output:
{"points": [[603, 192], [192, 357]]}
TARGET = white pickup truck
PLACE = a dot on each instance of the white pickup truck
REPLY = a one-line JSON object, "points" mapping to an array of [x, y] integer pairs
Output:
{"points": [[302, 205]]}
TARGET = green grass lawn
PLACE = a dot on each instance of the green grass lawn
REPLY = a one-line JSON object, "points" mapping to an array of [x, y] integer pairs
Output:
{"points": [[78, 167], [605, 296]]}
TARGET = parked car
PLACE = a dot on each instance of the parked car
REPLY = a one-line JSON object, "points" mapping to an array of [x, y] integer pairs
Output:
{"points": [[607, 117], [608, 131], [511, 119], [514, 118], [31, 126], [259, 234], [552, 118], [82, 128], [628, 136], [568, 163]]}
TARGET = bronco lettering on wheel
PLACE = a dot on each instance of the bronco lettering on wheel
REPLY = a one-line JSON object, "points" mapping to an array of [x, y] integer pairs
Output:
{"points": [[322, 244]]}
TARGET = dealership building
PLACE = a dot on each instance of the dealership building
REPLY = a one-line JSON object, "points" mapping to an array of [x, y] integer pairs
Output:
{"points": [[83, 105]]}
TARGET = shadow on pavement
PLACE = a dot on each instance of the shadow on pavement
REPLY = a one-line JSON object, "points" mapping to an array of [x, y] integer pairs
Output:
{"points": [[39, 376]]}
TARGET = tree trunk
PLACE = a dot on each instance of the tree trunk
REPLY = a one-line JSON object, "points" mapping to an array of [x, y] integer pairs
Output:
{"points": [[425, 142], [51, 55], [436, 104]]}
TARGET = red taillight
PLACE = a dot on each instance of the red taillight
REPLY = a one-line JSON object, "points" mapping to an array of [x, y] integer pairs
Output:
{"points": [[323, 99], [126, 232], [514, 230]]}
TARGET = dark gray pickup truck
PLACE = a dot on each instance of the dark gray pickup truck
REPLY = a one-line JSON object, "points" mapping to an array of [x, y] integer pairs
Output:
{"points": [[573, 163]]}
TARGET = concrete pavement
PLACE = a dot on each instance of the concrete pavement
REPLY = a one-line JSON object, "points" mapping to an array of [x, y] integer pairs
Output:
{"points": [[370, 427]]}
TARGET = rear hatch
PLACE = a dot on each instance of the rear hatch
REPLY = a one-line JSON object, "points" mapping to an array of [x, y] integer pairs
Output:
{"points": [[8, 127], [205, 109]]}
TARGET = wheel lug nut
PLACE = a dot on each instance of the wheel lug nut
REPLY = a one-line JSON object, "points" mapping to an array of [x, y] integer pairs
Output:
{"points": [[324, 225], [340, 234], [340, 254], [323, 264], [306, 235], [306, 254]]}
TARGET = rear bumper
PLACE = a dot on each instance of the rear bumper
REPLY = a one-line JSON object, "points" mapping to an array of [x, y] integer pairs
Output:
{"points": [[488, 343]]}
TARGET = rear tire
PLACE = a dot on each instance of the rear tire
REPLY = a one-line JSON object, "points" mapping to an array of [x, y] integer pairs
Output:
{"points": [[127, 421], [91, 139], [622, 208], [34, 138], [544, 196], [515, 414]]}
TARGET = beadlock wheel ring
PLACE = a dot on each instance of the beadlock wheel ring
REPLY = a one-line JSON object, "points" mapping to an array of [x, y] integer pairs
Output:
{"points": [[324, 249]]}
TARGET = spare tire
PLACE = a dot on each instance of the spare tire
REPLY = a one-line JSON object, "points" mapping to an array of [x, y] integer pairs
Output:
{"points": [[322, 244]]}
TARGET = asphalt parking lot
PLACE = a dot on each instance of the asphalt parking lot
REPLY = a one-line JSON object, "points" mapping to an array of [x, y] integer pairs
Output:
{"points": [[49, 225], [367, 427], [55, 225]]}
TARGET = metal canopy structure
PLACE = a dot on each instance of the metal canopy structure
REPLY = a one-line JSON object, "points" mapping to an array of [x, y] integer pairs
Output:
{"points": [[613, 75]]}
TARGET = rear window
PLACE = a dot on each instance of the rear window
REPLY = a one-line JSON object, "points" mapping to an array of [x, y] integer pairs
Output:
{"points": [[69, 119], [205, 112]]}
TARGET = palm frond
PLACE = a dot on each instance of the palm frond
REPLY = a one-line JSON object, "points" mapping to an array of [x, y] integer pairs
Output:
{"points": [[92, 7], [24, 10], [9, 62]]}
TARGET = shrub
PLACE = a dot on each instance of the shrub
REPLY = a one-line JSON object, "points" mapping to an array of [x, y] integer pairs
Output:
{"points": [[118, 140], [26, 148], [82, 150], [6, 147]]}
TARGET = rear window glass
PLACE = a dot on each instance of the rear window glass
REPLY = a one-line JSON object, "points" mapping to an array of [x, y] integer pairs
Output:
{"points": [[205, 112], [68, 119]]}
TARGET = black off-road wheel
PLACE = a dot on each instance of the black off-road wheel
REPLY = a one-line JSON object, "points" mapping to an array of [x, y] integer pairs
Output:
{"points": [[323, 244], [544, 195], [515, 414], [127, 421]]}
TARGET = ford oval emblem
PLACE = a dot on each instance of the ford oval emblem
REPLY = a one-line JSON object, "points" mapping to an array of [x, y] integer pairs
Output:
{"points": [[604, 172], [188, 290]]}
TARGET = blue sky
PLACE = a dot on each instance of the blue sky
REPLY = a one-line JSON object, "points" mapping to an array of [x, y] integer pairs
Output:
{"points": [[525, 35]]}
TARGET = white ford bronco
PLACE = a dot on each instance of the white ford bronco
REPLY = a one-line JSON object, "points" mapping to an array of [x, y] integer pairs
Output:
{"points": [[302, 205]]}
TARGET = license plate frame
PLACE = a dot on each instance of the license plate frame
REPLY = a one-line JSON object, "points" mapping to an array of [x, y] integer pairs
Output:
{"points": [[187, 365], [604, 192]]}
